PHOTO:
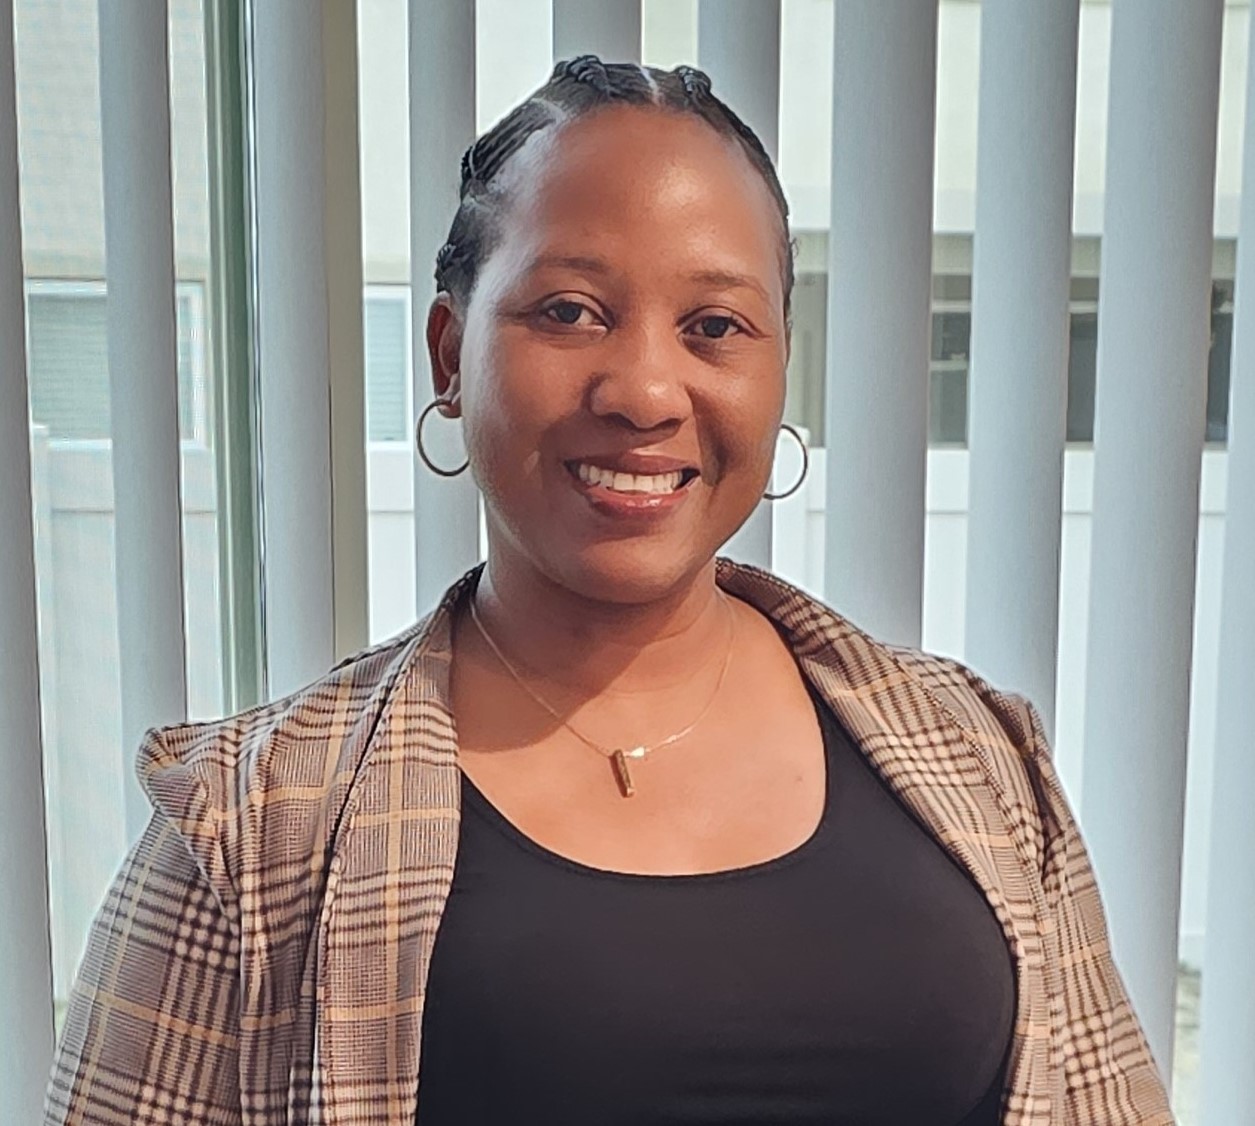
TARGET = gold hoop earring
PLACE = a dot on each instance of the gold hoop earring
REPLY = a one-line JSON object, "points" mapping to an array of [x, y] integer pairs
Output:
{"points": [[418, 441], [806, 464]]}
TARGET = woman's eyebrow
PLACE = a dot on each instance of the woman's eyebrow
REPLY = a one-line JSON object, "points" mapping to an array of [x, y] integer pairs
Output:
{"points": [[583, 264], [725, 279]]}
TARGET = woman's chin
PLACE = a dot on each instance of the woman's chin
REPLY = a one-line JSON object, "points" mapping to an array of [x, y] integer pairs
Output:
{"points": [[628, 573], [617, 565]]}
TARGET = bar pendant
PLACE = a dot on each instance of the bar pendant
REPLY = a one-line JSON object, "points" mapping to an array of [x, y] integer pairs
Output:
{"points": [[622, 775]]}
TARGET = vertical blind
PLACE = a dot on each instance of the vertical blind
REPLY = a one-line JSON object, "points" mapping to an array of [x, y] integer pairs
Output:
{"points": [[26, 977], [738, 45], [143, 387], [1020, 274], [1152, 363], [880, 269]]}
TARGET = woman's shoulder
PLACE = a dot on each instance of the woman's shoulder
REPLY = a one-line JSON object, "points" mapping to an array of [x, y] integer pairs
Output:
{"points": [[812, 624], [273, 776], [307, 723], [1006, 731], [973, 700]]}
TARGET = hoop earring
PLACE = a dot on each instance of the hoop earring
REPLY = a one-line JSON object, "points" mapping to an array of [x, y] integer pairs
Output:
{"points": [[806, 464], [418, 441]]}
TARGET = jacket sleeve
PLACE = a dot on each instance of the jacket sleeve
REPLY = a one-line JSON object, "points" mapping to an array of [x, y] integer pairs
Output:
{"points": [[1111, 1077], [151, 1034]]}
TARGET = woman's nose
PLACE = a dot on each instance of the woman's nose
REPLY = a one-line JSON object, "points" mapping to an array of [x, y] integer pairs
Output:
{"points": [[638, 381]]}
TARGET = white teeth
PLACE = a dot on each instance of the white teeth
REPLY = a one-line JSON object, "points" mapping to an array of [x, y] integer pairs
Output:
{"points": [[628, 482]]}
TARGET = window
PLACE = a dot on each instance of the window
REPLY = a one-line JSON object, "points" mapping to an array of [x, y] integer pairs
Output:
{"points": [[949, 362], [386, 327], [804, 383], [949, 358], [1219, 357], [1083, 360], [947, 369], [69, 361]]}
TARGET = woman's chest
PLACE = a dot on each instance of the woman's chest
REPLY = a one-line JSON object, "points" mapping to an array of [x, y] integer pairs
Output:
{"points": [[859, 977], [744, 792]]}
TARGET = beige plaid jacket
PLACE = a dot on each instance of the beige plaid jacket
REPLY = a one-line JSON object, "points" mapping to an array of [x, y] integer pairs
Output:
{"points": [[262, 955]]}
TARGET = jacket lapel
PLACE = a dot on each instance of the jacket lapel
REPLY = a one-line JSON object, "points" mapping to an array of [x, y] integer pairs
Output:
{"points": [[393, 862], [390, 876]]}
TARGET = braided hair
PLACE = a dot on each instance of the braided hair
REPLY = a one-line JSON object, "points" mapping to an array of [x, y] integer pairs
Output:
{"points": [[577, 87]]}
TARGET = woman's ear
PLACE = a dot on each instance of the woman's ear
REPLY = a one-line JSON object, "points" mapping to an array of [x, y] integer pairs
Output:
{"points": [[444, 346]]}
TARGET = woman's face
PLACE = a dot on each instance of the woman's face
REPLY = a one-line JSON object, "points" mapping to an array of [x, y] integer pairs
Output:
{"points": [[620, 364]]}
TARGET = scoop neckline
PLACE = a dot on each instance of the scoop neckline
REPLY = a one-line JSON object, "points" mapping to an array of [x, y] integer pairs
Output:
{"points": [[503, 825]]}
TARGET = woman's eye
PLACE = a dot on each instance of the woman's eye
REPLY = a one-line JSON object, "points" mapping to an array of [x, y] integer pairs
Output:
{"points": [[716, 327], [566, 312]]}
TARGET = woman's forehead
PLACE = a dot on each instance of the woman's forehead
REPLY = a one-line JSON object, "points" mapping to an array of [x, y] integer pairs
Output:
{"points": [[644, 156], [632, 180]]}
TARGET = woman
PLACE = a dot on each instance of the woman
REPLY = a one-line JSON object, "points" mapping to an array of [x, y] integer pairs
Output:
{"points": [[621, 833]]}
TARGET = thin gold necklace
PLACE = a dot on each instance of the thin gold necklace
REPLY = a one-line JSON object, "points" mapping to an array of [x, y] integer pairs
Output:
{"points": [[618, 756]]}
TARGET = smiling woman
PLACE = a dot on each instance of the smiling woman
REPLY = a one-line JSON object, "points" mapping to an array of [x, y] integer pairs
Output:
{"points": [[660, 345], [621, 832], [614, 294]]}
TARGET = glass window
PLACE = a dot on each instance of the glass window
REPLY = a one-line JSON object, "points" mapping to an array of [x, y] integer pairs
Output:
{"points": [[1083, 360], [386, 328], [947, 376], [804, 384], [948, 364], [949, 358], [1219, 357], [1082, 374], [68, 360]]}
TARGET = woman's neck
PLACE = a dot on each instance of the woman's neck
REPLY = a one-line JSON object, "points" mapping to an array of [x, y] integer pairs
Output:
{"points": [[591, 647]]}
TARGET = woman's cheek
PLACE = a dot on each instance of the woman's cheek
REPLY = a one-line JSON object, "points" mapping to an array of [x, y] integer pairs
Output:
{"points": [[502, 439]]}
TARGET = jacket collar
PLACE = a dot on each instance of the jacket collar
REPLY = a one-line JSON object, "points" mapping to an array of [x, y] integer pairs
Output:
{"points": [[393, 859]]}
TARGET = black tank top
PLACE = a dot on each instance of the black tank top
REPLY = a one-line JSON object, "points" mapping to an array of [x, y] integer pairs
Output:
{"points": [[859, 978]]}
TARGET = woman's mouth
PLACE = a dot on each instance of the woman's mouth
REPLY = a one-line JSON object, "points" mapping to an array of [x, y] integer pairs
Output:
{"points": [[621, 482], [617, 492]]}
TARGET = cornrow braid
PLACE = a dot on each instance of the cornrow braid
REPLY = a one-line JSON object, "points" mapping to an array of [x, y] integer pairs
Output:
{"points": [[484, 159], [588, 69], [696, 82], [577, 87]]}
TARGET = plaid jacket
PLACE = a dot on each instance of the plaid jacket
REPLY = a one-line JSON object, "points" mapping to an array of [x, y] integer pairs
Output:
{"points": [[262, 955]]}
